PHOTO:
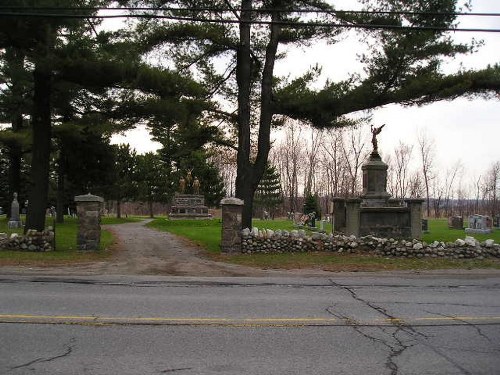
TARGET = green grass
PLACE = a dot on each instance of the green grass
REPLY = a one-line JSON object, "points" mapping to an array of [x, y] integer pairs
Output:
{"points": [[439, 231], [207, 234], [65, 245]]}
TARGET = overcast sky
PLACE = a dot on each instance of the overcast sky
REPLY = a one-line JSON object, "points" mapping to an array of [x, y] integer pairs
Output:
{"points": [[463, 130]]}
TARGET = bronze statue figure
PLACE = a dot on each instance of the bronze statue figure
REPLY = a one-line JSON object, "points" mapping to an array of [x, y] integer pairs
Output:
{"points": [[375, 131], [196, 186], [182, 185]]}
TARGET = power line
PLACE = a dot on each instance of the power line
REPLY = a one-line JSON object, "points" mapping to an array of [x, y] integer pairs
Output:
{"points": [[293, 24], [254, 10]]}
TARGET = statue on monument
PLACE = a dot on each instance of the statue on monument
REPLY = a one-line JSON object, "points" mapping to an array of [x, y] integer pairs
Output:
{"points": [[189, 177], [375, 131], [182, 185], [196, 186]]}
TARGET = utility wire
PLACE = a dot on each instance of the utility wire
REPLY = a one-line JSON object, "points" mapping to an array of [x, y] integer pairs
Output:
{"points": [[255, 10], [293, 24]]}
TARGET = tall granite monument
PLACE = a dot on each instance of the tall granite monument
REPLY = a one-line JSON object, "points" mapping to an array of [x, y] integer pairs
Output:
{"points": [[374, 212], [15, 219]]}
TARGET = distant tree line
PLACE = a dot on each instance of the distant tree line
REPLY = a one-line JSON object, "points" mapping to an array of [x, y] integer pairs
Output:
{"points": [[327, 163]]}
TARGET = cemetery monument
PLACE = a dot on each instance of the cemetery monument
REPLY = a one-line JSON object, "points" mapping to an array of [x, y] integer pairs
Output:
{"points": [[15, 219], [374, 212], [479, 224], [189, 206]]}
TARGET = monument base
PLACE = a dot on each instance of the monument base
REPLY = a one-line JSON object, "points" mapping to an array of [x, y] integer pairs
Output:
{"points": [[189, 207], [477, 231], [14, 224]]}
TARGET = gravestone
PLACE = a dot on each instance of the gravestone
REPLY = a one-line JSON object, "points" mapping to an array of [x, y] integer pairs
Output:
{"points": [[496, 221], [88, 208], [479, 224], [456, 222], [425, 225], [15, 219]]}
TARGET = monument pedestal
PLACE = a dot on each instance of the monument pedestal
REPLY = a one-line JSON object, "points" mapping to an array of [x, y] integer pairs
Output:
{"points": [[189, 206], [375, 213]]}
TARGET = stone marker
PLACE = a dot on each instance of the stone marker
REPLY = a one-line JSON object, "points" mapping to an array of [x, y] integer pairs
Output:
{"points": [[425, 225], [88, 208], [456, 222], [496, 221], [232, 209], [15, 220], [479, 224]]}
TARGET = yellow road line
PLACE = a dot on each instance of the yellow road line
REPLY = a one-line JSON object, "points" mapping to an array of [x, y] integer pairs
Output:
{"points": [[235, 322]]}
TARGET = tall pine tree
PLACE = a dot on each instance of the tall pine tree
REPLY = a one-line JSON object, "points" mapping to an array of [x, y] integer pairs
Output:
{"points": [[269, 195], [250, 35]]}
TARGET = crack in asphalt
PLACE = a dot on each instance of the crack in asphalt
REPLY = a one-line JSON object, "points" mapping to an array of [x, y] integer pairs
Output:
{"points": [[69, 350], [396, 348], [395, 345], [399, 347], [176, 369], [469, 324]]}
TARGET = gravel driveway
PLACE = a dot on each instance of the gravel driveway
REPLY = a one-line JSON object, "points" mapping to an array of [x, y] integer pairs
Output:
{"points": [[140, 250]]}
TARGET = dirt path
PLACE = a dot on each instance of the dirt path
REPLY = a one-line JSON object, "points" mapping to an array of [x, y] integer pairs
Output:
{"points": [[140, 250], [146, 251]]}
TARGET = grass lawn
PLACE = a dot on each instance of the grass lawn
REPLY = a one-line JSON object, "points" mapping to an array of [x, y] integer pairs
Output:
{"points": [[207, 234], [65, 245], [439, 231]]}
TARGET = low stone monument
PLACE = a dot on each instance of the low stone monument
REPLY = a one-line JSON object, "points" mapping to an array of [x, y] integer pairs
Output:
{"points": [[189, 206], [456, 222], [375, 213], [425, 225], [232, 209], [496, 221], [15, 219], [479, 224], [88, 208]]}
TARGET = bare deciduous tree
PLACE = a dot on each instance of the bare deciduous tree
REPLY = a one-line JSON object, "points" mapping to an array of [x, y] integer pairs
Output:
{"points": [[427, 151], [402, 156]]}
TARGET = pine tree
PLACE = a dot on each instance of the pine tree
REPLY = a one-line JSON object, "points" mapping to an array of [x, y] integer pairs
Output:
{"points": [[403, 66], [269, 193], [311, 205]]}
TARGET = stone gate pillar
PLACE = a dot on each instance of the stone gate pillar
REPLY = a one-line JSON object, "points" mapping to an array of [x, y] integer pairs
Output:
{"points": [[415, 206], [88, 208], [352, 224], [232, 209]]}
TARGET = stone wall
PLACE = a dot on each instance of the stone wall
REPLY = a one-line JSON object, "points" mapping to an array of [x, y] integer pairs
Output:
{"points": [[281, 241], [32, 241]]}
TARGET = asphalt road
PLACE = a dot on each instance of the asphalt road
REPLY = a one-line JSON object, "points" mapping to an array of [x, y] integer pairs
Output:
{"points": [[365, 324]]}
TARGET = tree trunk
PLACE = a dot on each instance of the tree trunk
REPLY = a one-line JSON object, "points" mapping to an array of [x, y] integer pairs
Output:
{"points": [[39, 181], [118, 208], [249, 175], [243, 79], [15, 61], [15, 156], [61, 175], [150, 208]]}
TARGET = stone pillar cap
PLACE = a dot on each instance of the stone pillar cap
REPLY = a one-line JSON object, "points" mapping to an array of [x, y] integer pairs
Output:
{"points": [[89, 198], [232, 201]]}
